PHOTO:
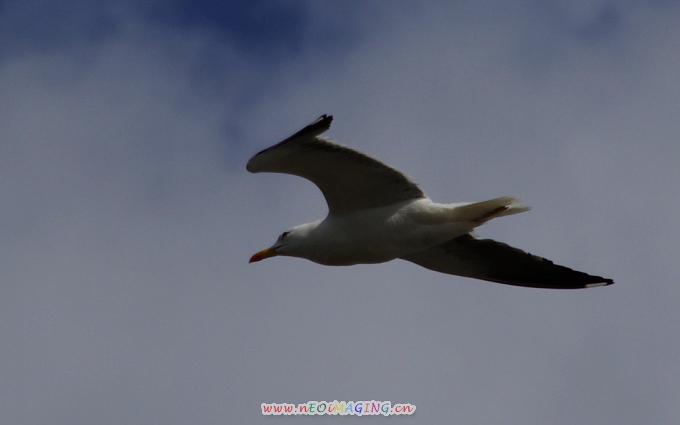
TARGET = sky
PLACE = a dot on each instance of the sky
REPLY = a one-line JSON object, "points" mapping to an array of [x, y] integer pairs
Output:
{"points": [[128, 217]]}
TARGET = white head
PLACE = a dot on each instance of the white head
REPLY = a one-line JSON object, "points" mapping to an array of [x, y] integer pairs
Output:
{"points": [[294, 242]]}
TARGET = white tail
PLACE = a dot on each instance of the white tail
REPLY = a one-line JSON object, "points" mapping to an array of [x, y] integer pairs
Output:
{"points": [[481, 212]]}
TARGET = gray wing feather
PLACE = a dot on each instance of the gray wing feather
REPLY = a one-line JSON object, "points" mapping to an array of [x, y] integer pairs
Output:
{"points": [[498, 262], [349, 180]]}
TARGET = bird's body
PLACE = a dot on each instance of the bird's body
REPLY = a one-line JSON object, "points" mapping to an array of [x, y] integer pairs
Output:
{"points": [[387, 233], [377, 214]]}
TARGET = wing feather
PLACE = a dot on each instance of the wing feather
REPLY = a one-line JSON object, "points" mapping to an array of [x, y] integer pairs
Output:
{"points": [[494, 261], [349, 180]]}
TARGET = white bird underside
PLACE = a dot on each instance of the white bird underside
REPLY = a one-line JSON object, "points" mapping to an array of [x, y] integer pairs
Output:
{"points": [[377, 214]]}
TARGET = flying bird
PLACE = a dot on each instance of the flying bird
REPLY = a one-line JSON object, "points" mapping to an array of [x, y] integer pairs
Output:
{"points": [[376, 214]]}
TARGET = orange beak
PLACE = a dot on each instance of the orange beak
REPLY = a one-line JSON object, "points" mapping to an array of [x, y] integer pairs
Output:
{"points": [[265, 253]]}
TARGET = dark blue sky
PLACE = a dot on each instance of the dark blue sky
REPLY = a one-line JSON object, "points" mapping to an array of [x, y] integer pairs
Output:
{"points": [[258, 28], [253, 25]]}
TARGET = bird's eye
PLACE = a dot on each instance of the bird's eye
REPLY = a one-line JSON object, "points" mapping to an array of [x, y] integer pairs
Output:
{"points": [[284, 234]]}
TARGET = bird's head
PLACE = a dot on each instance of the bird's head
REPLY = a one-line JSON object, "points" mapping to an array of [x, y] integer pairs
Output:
{"points": [[291, 243]]}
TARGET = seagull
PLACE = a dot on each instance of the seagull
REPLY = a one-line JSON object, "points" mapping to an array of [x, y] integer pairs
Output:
{"points": [[377, 214]]}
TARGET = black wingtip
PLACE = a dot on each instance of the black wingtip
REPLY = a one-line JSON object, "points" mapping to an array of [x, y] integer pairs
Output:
{"points": [[316, 128], [603, 282], [323, 121]]}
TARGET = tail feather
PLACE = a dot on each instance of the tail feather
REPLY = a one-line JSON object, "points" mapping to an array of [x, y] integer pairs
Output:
{"points": [[481, 212]]}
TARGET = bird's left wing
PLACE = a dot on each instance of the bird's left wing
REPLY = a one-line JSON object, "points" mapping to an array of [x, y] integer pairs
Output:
{"points": [[494, 261], [350, 180]]}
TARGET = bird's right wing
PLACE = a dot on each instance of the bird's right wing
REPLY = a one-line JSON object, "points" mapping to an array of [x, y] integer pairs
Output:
{"points": [[494, 261], [350, 180]]}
